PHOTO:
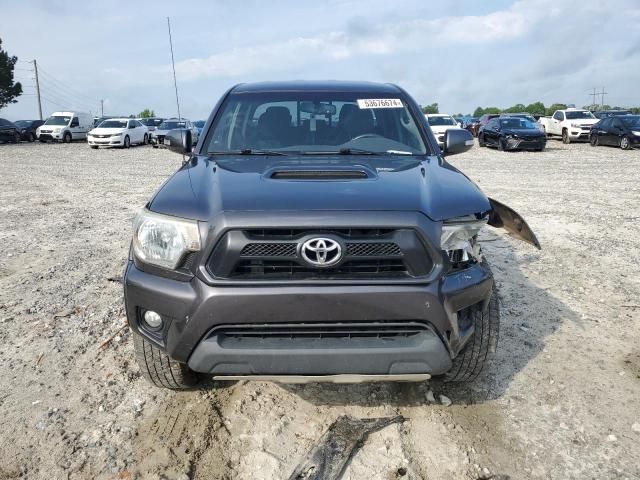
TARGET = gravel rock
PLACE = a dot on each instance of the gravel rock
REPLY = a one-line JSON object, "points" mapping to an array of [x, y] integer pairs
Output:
{"points": [[444, 400]]}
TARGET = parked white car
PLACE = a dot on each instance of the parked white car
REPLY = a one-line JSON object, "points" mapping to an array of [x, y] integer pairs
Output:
{"points": [[65, 127], [159, 133], [571, 124], [118, 132], [440, 123]]}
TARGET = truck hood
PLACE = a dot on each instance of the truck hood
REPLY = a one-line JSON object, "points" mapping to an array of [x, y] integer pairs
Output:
{"points": [[583, 121], [208, 186], [443, 128]]}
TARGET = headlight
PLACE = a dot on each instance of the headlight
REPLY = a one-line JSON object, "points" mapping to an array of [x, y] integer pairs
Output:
{"points": [[116, 134], [636, 133], [457, 238], [163, 240], [575, 125]]}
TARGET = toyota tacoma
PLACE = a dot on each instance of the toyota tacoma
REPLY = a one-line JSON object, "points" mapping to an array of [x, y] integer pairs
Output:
{"points": [[315, 233]]}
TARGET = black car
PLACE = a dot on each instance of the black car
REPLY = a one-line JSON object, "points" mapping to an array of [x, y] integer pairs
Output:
{"points": [[315, 233], [9, 132], [610, 113], [619, 131], [512, 133], [28, 129]]}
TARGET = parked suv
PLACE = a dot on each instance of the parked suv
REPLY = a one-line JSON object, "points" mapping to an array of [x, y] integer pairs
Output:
{"points": [[316, 232]]}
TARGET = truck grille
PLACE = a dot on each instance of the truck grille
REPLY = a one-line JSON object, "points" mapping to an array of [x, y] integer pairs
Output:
{"points": [[275, 255], [292, 270]]}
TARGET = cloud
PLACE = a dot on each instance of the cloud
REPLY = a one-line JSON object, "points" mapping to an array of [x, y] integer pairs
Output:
{"points": [[359, 39]]}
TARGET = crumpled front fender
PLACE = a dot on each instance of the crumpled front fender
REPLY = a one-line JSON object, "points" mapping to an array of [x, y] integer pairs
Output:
{"points": [[502, 216]]}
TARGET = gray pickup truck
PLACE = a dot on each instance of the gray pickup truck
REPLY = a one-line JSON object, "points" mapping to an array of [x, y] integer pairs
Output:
{"points": [[316, 233]]}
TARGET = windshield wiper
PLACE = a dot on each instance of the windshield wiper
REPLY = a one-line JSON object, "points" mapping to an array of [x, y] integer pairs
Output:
{"points": [[248, 151], [358, 151]]}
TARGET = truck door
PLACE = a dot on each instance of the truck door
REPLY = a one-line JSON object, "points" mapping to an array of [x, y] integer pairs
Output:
{"points": [[556, 123]]}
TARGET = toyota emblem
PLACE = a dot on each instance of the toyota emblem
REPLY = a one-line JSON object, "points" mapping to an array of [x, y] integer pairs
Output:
{"points": [[321, 252]]}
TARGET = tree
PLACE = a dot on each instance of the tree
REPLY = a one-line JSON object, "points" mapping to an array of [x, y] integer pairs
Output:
{"points": [[478, 112], [9, 90], [146, 113], [555, 106], [433, 108], [517, 108], [536, 108]]}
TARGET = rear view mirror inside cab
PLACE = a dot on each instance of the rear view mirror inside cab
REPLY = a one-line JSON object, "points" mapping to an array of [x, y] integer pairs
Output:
{"points": [[317, 108]]}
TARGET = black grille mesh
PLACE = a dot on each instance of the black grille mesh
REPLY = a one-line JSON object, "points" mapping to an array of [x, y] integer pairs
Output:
{"points": [[269, 250], [373, 250]]}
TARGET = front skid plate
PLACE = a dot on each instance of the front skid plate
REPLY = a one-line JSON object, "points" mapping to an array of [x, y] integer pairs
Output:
{"points": [[343, 378]]}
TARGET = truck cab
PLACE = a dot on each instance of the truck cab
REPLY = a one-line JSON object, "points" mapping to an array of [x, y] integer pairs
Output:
{"points": [[572, 124]]}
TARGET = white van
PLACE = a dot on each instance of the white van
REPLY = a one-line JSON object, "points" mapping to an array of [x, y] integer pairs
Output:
{"points": [[65, 127]]}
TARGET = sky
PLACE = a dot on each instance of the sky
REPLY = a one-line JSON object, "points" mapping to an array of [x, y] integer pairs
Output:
{"points": [[458, 53]]}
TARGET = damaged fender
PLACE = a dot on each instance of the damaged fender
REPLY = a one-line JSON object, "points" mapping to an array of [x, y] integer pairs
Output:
{"points": [[505, 217]]}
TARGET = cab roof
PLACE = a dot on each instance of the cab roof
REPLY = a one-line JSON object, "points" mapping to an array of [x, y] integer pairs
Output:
{"points": [[317, 86]]}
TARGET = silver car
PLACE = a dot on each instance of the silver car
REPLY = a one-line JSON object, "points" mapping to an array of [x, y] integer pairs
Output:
{"points": [[157, 136]]}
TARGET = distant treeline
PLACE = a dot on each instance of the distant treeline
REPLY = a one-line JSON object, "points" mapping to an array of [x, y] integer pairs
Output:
{"points": [[538, 108]]}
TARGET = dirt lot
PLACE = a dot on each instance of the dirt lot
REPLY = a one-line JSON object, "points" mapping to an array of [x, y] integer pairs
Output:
{"points": [[560, 402]]}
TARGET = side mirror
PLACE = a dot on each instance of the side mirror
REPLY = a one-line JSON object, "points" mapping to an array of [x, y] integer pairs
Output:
{"points": [[456, 141], [179, 140]]}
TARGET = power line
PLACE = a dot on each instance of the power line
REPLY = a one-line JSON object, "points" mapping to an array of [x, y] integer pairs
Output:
{"points": [[63, 86]]}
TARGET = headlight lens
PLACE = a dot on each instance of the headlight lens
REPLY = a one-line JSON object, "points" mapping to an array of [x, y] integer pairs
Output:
{"points": [[457, 235], [636, 133], [116, 135], [163, 240]]}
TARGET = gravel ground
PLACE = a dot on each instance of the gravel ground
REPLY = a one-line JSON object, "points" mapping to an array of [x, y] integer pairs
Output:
{"points": [[560, 401]]}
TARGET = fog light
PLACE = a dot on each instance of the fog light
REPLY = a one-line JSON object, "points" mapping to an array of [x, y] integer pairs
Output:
{"points": [[152, 319]]}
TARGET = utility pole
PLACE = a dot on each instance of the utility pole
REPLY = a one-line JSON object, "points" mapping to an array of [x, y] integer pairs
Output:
{"points": [[101, 108], [35, 69], [603, 93], [173, 64], [593, 98]]}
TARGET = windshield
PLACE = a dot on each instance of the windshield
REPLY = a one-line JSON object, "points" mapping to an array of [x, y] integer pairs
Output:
{"points": [[438, 121], [113, 124], [527, 117], [23, 123], [151, 122], [171, 125], [578, 115], [58, 121], [199, 123], [517, 123], [631, 121], [314, 122]]}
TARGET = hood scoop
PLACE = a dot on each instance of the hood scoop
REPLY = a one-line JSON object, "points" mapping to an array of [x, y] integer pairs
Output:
{"points": [[319, 174]]}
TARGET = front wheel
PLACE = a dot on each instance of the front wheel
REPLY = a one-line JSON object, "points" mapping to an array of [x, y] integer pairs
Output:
{"points": [[593, 140], [624, 143], [16, 138], [67, 137], [145, 140], [565, 136], [481, 141], [32, 137], [160, 369], [479, 350], [127, 142], [501, 145]]}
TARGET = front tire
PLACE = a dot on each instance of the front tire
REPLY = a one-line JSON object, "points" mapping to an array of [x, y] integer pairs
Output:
{"points": [[127, 142], [624, 143], [16, 138], [145, 140], [479, 350], [565, 136], [94, 147], [160, 369], [481, 141], [32, 137], [594, 141], [501, 147], [67, 138]]}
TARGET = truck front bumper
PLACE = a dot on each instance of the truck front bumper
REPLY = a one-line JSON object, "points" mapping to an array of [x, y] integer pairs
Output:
{"points": [[308, 330]]}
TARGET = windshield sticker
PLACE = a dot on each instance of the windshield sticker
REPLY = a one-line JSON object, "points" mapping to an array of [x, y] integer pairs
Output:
{"points": [[379, 103]]}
